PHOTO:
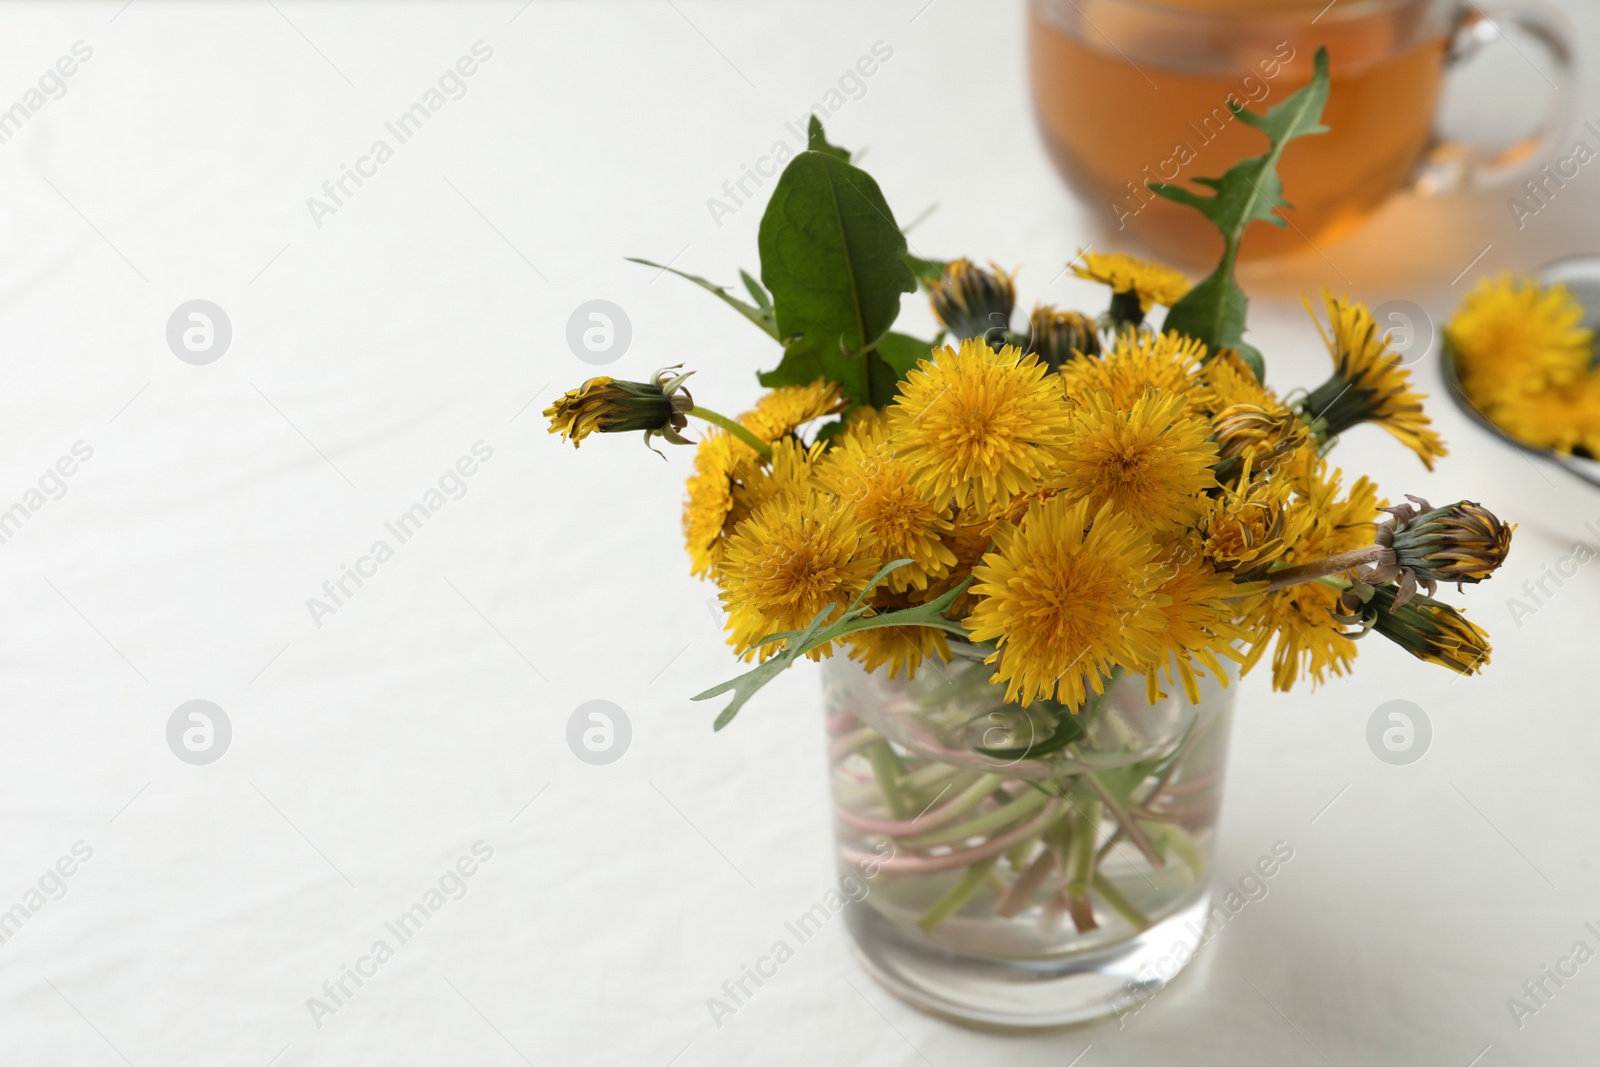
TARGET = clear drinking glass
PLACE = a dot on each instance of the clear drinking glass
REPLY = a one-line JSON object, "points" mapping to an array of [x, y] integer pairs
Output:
{"points": [[1021, 893]]}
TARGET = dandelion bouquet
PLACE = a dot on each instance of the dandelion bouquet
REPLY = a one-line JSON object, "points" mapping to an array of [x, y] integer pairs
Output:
{"points": [[1069, 514], [1087, 498]]}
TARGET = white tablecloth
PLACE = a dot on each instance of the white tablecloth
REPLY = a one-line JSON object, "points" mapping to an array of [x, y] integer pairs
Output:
{"points": [[414, 726]]}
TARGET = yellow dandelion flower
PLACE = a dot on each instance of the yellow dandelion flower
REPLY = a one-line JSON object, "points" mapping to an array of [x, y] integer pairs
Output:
{"points": [[978, 426], [1563, 418], [1155, 283], [1152, 463], [728, 484], [1252, 525], [1368, 383], [785, 409], [798, 554], [967, 541], [1311, 642], [899, 519], [1513, 336], [1169, 362], [721, 463], [1310, 639], [1066, 598], [1200, 628]]}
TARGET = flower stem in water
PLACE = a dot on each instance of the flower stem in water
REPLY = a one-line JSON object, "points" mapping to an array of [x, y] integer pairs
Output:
{"points": [[957, 898], [889, 772]]}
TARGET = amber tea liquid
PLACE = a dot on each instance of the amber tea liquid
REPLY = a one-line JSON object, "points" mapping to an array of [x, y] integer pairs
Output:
{"points": [[1128, 92]]}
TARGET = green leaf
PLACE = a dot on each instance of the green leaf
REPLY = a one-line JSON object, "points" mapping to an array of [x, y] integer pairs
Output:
{"points": [[927, 271], [797, 643], [759, 295], [817, 141], [1068, 729], [1250, 191], [831, 257], [762, 316], [898, 354]]}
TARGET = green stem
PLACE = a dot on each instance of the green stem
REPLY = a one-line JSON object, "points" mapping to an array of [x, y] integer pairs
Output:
{"points": [[983, 824], [1129, 825], [761, 448], [889, 772], [1080, 853], [957, 898], [1178, 840], [1119, 903]]}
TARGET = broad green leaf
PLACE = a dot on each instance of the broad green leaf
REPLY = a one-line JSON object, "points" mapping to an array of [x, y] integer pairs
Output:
{"points": [[1250, 191], [796, 643], [762, 316], [902, 351], [817, 141], [831, 257]]}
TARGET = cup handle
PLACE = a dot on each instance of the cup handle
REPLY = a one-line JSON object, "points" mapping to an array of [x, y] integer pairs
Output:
{"points": [[1451, 165]]}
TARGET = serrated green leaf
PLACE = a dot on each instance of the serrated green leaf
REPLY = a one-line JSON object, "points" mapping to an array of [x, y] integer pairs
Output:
{"points": [[1251, 191], [817, 141], [797, 643], [761, 316], [831, 257]]}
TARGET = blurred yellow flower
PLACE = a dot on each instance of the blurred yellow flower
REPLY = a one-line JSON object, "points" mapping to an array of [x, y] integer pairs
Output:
{"points": [[1155, 283], [1137, 362], [1514, 337]]}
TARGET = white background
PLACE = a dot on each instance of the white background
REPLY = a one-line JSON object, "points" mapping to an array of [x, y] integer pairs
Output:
{"points": [[369, 753]]}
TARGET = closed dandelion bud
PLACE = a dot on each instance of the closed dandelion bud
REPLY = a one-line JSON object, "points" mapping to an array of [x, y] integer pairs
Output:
{"points": [[1462, 543], [1251, 430], [969, 301], [1058, 336], [659, 407], [1427, 628]]}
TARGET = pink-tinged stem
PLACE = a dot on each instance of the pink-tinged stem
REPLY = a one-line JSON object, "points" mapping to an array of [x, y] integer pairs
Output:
{"points": [[838, 725], [936, 819], [1310, 572], [1022, 890], [964, 858], [1128, 825], [850, 743]]}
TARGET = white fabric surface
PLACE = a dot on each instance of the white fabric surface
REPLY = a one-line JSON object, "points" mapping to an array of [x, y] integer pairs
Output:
{"points": [[371, 752]]}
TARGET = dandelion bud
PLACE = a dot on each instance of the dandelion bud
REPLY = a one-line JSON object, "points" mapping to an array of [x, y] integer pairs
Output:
{"points": [[969, 301], [659, 407], [1251, 430], [1428, 629], [1058, 336], [1462, 543]]}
